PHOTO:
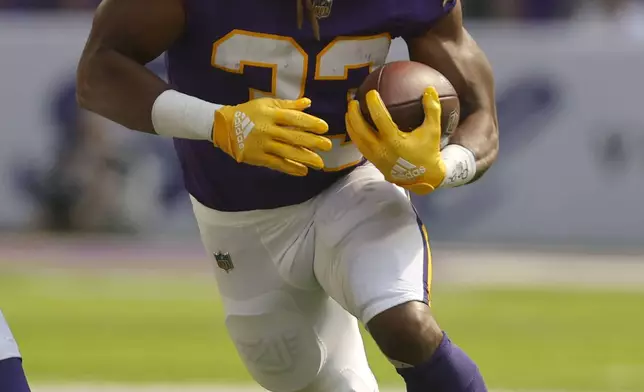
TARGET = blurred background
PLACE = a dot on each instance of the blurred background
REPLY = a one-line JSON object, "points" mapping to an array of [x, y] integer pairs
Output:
{"points": [[539, 267]]}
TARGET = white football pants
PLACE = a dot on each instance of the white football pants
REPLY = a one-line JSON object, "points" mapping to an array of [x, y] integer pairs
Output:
{"points": [[293, 280]]}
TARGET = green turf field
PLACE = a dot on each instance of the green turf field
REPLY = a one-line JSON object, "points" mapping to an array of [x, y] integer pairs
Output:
{"points": [[162, 329]]}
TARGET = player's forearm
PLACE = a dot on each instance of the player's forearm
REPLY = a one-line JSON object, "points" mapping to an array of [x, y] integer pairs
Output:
{"points": [[450, 49], [478, 130], [479, 133], [118, 88], [471, 74], [122, 90]]}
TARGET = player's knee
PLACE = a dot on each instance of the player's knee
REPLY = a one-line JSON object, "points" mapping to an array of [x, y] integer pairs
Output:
{"points": [[280, 349], [406, 333]]}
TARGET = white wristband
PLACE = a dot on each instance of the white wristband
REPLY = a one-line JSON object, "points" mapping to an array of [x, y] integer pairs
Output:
{"points": [[179, 115], [460, 165]]}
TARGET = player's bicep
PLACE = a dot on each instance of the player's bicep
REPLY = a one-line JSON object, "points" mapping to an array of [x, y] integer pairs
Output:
{"points": [[139, 29], [448, 47], [112, 79]]}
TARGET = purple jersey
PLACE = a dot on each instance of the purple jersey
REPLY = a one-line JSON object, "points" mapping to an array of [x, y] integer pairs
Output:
{"points": [[233, 51]]}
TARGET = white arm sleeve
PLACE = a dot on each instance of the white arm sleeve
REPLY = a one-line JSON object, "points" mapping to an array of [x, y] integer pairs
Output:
{"points": [[8, 345], [175, 114]]}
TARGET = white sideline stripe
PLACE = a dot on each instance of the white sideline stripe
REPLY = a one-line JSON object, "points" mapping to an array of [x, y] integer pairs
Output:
{"points": [[206, 388]]}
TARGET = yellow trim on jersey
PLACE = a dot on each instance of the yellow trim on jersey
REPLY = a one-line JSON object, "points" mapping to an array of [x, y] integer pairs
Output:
{"points": [[429, 264]]}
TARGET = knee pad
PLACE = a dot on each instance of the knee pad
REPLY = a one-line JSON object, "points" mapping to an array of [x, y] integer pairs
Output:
{"points": [[280, 348]]}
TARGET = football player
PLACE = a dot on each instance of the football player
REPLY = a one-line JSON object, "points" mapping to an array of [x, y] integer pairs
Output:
{"points": [[292, 189], [12, 375]]}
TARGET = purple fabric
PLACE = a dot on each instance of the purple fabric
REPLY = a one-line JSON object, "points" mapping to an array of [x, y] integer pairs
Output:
{"points": [[210, 175], [448, 370]]}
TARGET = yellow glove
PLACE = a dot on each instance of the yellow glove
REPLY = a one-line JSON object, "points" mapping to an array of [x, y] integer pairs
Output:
{"points": [[273, 133], [408, 159]]}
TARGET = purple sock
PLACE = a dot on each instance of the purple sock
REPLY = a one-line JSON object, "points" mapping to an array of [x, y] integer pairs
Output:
{"points": [[448, 370], [12, 376]]}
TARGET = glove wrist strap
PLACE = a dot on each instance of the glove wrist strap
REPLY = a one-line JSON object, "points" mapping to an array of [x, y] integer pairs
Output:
{"points": [[460, 166], [179, 115]]}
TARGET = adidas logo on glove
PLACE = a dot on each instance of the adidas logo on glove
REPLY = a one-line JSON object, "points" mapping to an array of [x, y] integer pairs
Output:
{"points": [[405, 170], [243, 125]]}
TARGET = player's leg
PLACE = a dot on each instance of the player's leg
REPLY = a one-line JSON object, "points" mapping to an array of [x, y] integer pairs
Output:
{"points": [[290, 335], [12, 375], [378, 267]]}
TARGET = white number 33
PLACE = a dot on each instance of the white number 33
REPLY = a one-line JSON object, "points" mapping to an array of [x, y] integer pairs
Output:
{"points": [[289, 63]]}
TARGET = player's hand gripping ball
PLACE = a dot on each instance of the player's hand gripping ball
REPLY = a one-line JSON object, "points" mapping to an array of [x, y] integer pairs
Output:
{"points": [[403, 115], [273, 133]]}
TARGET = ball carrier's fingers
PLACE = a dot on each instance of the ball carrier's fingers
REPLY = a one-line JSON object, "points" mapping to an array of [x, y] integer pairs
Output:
{"points": [[359, 130], [295, 154], [433, 111], [290, 113], [380, 116], [294, 104], [300, 138]]}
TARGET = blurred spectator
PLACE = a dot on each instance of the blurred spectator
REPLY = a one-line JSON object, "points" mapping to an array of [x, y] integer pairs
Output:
{"points": [[519, 9], [610, 9], [87, 187], [48, 4], [80, 191], [627, 14]]}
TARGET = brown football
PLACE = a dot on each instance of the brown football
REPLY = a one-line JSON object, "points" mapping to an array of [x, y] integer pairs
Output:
{"points": [[401, 85]]}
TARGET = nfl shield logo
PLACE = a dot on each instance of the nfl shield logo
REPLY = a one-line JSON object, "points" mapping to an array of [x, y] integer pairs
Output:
{"points": [[224, 261], [322, 8]]}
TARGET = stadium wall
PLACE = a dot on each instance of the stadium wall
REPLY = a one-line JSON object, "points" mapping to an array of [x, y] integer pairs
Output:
{"points": [[570, 170]]}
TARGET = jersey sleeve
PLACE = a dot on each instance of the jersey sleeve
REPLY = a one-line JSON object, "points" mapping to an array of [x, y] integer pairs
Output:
{"points": [[420, 15]]}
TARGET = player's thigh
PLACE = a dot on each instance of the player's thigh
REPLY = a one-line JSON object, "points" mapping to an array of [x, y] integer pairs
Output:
{"points": [[372, 248], [281, 322]]}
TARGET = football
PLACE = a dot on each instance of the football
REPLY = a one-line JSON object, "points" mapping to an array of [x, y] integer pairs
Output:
{"points": [[401, 85]]}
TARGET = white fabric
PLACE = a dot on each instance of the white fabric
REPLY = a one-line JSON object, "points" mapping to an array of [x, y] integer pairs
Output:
{"points": [[179, 115], [8, 345], [460, 166], [357, 246]]}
